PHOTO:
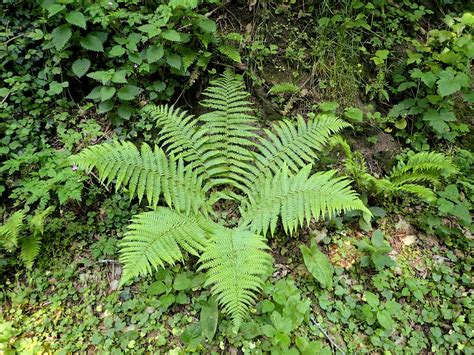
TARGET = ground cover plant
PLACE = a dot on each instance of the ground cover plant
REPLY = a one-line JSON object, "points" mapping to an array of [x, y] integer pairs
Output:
{"points": [[283, 177]]}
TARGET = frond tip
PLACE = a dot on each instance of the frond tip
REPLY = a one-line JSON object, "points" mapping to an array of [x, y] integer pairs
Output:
{"points": [[237, 263], [157, 237]]}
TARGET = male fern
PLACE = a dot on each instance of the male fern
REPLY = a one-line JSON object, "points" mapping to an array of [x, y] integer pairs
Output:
{"points": [[221, 154]]}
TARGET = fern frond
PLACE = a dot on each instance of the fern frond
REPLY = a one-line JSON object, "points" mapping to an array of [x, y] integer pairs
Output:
{"points": [[30, 245], [295, 146], [145, 172], [38, 220], [297, 198], [389, 189], [10, 230], [30, 248], [157, 237], [424, 166], [231, 129], [237, 263]]}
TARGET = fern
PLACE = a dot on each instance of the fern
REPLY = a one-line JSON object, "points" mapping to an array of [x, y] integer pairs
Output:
{"points": [[236, 261], [422, 167], [12, 234], [405, 178], [231, 129], [282, 88], [10, 231], [145, 172], [30, 245], [294, 146], [297, 198], [220, 155], [157, 237]]}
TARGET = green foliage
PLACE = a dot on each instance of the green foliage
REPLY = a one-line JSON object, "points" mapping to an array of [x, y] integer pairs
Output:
{"points": [[407, 177], [318, 264], [12, 234], [376, 249], [439, 69], [135, 43], [216, 149], [296, 198], [236, 261], [157, 237]]}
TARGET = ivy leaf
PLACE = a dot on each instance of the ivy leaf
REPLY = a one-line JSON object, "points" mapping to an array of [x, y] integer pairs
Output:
{"points": [[76, 18], [92, 43], [171, 35], [106, 93], [451, 81], [318, 264], [60, 36], [154, 53], [128, 92], [80, 67]]}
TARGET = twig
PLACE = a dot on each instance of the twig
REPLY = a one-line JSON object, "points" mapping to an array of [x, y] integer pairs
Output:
{"points": [[333, 343]]}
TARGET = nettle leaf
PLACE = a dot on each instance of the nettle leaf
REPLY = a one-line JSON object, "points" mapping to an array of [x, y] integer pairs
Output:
{"points": [[105, 106], [106, 93], [92, 43], [150, 29], [80, 67], [207, 25], [103, 76], [94, 94], [174, 61], [154, 53], [451, 81], [53, 9], [129, 92], [76, 18], [318, 264], [116, 51], [56, 88], [119, 77], [60, 36], [171, 35], [125, 111]]}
